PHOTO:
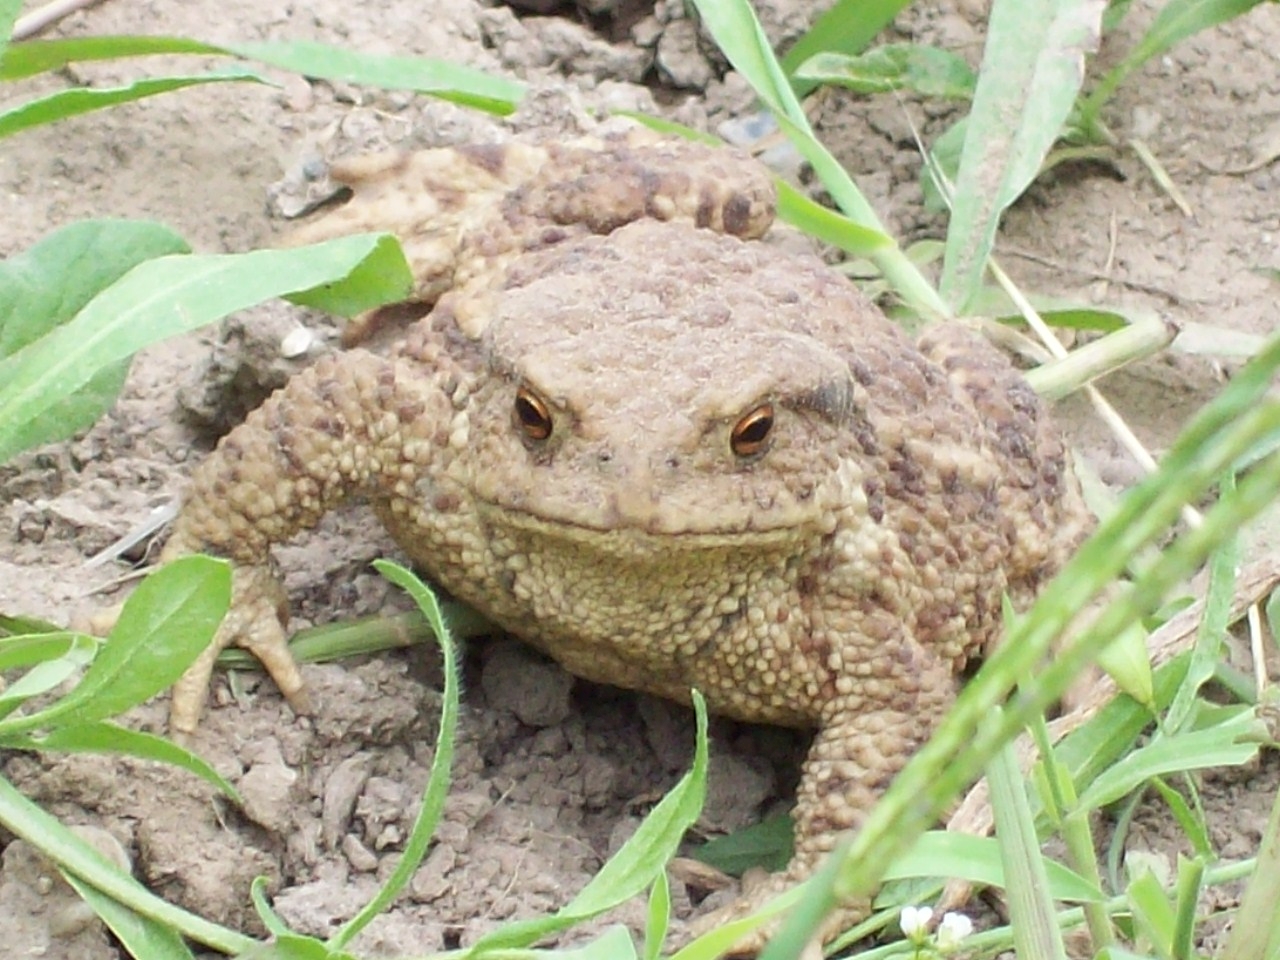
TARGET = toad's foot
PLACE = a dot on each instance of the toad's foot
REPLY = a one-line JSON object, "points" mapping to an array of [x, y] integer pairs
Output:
{"points": [[255, 622]]}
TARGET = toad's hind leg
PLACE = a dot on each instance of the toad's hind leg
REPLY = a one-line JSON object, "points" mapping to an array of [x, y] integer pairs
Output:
{"points": [[333, 433]]}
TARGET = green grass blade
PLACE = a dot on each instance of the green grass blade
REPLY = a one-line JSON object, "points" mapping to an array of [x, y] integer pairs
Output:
{"points": [[109, 738], [1031, 74], [828, 225], [1031, 912], [49, 283], [33, 57], [1230, 743], [738, 34], [1177, 20], [144, 938], [657, 917], [73, 103], [171, 295], [437, 789], [633, 868], [163, 627], [448, 81], [848, 27], [24, 819]]}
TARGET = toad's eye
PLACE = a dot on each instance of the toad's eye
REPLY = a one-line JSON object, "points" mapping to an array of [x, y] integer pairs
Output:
{"points": [[532, 414], [751, 433]]}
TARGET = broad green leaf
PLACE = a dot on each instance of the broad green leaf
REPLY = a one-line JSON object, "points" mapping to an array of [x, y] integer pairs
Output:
{"points": [[1031, 74], [26, 820], [962, 856], [72, 103], [16, 626], [52, 281], [449, 81], [163, 626], [144, 938], [42, 678], [1177, 20], [767, 844], [109, 738], [29, 649], [171, 295], [633, 867], [437, 789], [928, 71], [848, 26]]}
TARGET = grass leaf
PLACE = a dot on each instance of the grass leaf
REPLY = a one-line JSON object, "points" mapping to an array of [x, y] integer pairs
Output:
{"points": [[437, 789], [1031, 73], [657, 917], [9, 10], [33, 57], [633, 868], [43, 677], [439, 78], [72, 103], [1225, 744], [24, 819], [144, 938], [170, 295], [1031, 913]]}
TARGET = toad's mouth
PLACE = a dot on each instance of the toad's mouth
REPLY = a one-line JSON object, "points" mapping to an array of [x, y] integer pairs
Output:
{"points": [[611, 531]]}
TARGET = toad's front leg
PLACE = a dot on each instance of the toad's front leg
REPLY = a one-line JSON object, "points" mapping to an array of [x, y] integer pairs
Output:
{"points": [[335, 432], [870, 728]]}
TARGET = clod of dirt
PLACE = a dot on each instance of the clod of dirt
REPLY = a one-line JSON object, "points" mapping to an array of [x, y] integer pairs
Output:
{"points": [[516, 678]]}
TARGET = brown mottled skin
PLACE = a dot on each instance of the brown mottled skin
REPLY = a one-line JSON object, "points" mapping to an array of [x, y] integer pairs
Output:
{"points": [[670, 457]]}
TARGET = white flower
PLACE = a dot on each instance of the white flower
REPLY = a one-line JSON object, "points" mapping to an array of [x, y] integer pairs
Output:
{"points": [[953, 928], [914, 922]]}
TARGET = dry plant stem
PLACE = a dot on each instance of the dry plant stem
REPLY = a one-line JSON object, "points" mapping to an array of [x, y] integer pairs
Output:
{"points": [[1259, 654], [1108, 413], [1142, 338], [37, 21]]}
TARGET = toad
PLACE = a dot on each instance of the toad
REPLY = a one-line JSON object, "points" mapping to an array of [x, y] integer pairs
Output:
{"points": [[662, 451]]}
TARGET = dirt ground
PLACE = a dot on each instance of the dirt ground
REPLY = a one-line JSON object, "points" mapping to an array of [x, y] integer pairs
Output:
{"points": [[551, 774]]}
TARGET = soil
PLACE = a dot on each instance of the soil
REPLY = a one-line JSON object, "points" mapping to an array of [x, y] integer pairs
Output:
{"points": [[551, 774]]}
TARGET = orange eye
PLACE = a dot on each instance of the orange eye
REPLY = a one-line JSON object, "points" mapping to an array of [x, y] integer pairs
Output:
{"points": [[532, 414], [751, 433]]}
